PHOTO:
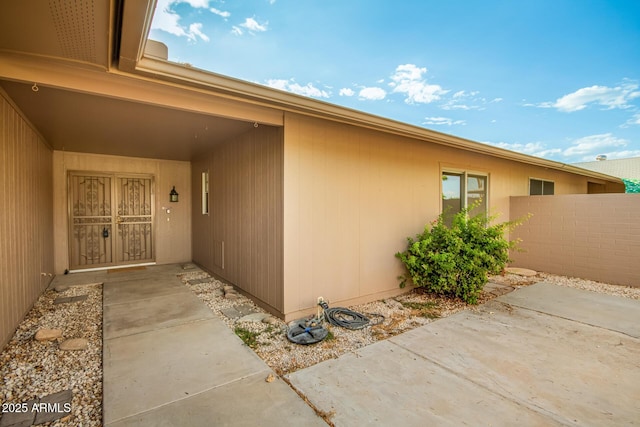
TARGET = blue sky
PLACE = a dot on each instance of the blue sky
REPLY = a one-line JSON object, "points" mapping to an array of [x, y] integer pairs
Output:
{"points": [[558, 79]]}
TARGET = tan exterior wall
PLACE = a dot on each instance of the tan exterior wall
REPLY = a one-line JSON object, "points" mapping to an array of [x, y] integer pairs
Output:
{"points": [[594, 236], [352, 196], [172, 231], [26, 229], [240, 239]]}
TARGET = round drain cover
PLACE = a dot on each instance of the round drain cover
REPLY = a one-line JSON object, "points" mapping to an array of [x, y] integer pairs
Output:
{"points": [[306, 332]]}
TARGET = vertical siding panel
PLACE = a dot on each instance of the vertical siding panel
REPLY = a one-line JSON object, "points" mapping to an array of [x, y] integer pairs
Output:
{"points": [[4, 178], [25, 219], [246, 198]]}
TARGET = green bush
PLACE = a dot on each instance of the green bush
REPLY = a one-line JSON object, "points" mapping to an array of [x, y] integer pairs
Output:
{"points": [[632, 185], [456, 260]]}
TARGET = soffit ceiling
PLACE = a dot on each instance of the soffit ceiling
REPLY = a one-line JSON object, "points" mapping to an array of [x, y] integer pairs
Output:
{"points": [[79, 32], [86, 123], [75, 30]]}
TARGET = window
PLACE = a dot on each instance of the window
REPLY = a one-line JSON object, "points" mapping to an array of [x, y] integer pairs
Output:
{"points": [[540, 187], [205, 193], [461, 190]]}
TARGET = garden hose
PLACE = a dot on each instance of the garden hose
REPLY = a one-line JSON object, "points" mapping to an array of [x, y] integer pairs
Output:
{"points": [[349, 319]]}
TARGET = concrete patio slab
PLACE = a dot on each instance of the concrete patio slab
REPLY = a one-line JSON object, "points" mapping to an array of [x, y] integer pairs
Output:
{"points": [[596, 309], [573, 373], [497, 364], [130, 290], [385, 384], [145, 371], [249, 402], [145, 315], [168, 360]]}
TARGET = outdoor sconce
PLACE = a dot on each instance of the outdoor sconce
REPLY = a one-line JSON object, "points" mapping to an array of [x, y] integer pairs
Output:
{"points": [[173, 196]]}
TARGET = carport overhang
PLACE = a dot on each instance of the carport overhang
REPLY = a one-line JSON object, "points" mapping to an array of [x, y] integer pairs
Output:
{"points": [[88, 96]]}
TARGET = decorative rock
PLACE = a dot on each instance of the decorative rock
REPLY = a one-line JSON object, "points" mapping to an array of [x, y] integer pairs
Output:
{"points": [[270, 320], [231, 295], [520, 271], [254, 317], [189, 266], [19, 418], [270, 378], [58, 401], [65, 300], [390, 302], [497, 289], [231, 312], [245, 309], [48, 334], [74, 344], [200, 281], [228, 288]]}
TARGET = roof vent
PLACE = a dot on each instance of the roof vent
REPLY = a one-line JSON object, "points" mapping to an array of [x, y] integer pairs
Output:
{"points": [[156, 50], [601, 157]]}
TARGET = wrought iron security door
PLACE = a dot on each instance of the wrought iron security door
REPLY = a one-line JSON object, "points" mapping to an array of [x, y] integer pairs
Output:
{"points": [[111, 220]]}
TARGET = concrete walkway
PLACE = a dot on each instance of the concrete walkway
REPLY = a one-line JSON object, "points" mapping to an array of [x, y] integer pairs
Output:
{"points": [[169, 361], [542, 355], [539, 356]]}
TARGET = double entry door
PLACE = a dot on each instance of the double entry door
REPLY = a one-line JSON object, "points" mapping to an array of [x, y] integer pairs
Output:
{"points": [[111, 220]]}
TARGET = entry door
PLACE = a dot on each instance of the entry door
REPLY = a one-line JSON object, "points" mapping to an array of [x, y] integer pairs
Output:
{"points": [[111, 220]]}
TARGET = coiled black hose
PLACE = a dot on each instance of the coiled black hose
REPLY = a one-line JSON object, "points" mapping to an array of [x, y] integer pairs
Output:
{"points": [[345, 318]]}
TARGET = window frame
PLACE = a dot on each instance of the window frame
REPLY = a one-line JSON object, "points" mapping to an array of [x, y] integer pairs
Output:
{"points": [[542, 181], [205, 199], [465, 174]]}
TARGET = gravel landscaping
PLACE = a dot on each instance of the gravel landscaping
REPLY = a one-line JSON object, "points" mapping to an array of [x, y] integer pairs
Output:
{"points": [[32, 369], [416, 308]]}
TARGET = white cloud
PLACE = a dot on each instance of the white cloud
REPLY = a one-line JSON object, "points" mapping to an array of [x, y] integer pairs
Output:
{"points": [[195, 3], [372, 93], [167, 20], [593, 144], [253, 26], [634, 120], [442, 121], [463, 100], [608, 97], [196, 29], [236, 30], [624, 154], [219, 12], [346, 92], [408, 79], [532, 148], [293, 87], [581, 149]]}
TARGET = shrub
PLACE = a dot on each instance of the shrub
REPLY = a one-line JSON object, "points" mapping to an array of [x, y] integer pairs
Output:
{"points": [[456, 260], [631, 185]]}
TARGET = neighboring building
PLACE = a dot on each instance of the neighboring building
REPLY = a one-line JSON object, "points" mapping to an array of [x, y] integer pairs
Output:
{"points": [[626, 169], [287, 197]]}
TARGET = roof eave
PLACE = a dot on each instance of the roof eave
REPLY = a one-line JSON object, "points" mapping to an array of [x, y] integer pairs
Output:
{"points": [[133, 61]]}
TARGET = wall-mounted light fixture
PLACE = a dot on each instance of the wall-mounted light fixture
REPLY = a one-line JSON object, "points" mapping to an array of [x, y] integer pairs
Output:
{"points": [[173, 196]]}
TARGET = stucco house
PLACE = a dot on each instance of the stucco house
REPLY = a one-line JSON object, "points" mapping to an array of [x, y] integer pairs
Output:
{"points": [[627, 169], [286, 197]]}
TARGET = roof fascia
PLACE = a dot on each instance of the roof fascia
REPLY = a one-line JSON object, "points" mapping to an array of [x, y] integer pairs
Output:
{"points": [[130, 87], [269, 97], [135, 20]]}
